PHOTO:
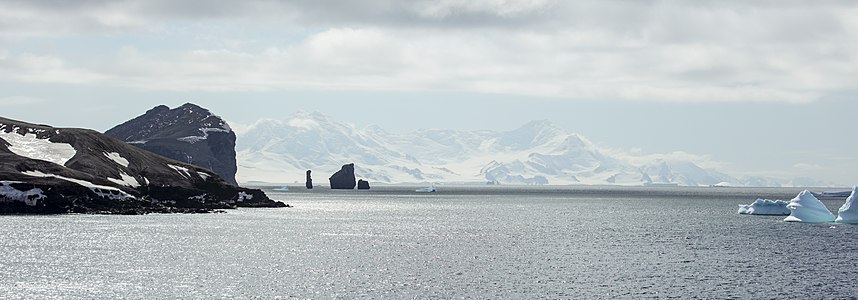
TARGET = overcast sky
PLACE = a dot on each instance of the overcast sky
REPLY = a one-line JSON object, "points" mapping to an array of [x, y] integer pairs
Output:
{"points": [[754, 87]]}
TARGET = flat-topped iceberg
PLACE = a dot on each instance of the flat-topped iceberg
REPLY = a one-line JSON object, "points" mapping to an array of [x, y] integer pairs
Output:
{"points": [[806, 208], [848, 213], [765, 207]]}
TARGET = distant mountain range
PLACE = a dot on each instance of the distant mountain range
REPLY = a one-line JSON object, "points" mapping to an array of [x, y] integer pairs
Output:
{"points": [[539, 152]]}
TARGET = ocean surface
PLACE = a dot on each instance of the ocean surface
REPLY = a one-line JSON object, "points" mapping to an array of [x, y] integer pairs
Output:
{"points": [[462, 242]]}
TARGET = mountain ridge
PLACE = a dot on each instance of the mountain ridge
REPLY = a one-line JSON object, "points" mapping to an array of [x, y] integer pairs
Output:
{"points": [[49, 169], [538, 152], [187, 133]]}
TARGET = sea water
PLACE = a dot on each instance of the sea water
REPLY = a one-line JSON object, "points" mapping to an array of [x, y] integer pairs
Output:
{"points": [[461, 242]]}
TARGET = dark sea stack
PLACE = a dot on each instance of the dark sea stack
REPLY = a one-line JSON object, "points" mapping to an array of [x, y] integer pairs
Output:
{"points": [[188, 133], [344, 179], [309, 183], [47, 170], [363, 184]]}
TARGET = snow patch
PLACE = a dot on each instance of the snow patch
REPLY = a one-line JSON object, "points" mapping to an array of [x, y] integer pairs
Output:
{"points": [[204, 176], [205, 131], [244, 196], [201, 197], [115, 157], [848, 213], [182, 170], [30, 146], [303, 123], [765, 207], [126, 180], [100, 190], [30, 197], [806, 208]]}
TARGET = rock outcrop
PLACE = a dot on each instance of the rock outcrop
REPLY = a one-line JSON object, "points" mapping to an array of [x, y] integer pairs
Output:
{"points": [[309, 183], [363, 184], [344, 179], [188, 133], [63, 170]]}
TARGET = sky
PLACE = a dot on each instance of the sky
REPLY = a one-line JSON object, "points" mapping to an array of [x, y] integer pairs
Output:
{"points": [[749, 87]]}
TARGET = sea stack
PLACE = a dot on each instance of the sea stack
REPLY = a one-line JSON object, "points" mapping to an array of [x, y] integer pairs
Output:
{"points": [[188, 133], [344, 179], [363, 184], [309, 183]]}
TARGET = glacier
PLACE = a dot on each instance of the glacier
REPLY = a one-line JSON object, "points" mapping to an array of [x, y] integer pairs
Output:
{"points": [[848, 213], [807, 209], [765, 207], [537, 153]]}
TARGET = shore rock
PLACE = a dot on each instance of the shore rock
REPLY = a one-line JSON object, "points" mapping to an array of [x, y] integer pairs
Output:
{"points": [[309, 183], [344, 179], [363, 184]]}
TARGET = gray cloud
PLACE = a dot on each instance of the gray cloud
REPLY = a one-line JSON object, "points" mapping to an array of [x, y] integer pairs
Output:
{"points": [[634, 50]]}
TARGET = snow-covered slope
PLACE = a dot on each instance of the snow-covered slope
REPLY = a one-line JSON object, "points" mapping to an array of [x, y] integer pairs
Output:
{"points": [[538, 152]]}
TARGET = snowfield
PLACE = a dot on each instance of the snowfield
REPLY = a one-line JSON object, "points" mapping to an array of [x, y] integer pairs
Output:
{"points": [[30, 146], [101, 190], [539, 152], [117, 158]]}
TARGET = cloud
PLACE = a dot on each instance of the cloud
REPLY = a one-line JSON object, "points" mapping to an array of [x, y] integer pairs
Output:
{"points": [[808, 166], [735, 51], [19, 101]]}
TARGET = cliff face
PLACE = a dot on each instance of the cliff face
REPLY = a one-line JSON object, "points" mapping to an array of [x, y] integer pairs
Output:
{"points": [[188, 133], [60, 170]]}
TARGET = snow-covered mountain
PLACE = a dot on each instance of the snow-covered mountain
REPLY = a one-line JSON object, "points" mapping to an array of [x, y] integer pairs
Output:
{"points": [[539, 152]]}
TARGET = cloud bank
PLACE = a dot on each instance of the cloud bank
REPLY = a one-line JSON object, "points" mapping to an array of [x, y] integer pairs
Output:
{"points": [[675, 51]]}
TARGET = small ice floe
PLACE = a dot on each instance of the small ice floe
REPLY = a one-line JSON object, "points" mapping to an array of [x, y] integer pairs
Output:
{"points": [[430, 189], [282, 189], [765, 207], [807, 209], [848, 213]]}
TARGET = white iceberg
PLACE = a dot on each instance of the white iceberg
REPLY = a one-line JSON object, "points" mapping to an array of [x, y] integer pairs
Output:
{"points": [[806, 208], [848, 213], [430, 189], [765, 207]]}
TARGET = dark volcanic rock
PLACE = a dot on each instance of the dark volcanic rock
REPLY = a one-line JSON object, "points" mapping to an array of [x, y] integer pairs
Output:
{"points": [[68, 170], [363, 184], [344, 179], [188, 133], [309, 180]]}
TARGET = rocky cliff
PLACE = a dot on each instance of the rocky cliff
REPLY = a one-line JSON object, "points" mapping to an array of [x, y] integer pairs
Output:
{"points": [[61, 170], [188, 133]]}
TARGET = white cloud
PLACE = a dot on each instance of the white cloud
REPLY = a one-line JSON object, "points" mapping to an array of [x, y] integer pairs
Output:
{"points": [[808, 166], [19, 101], [640, 51]]}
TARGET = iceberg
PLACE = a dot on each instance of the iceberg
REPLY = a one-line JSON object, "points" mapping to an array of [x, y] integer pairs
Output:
{"points": [[430, 189], [807, 209], [765, 207], [848, 213]]}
